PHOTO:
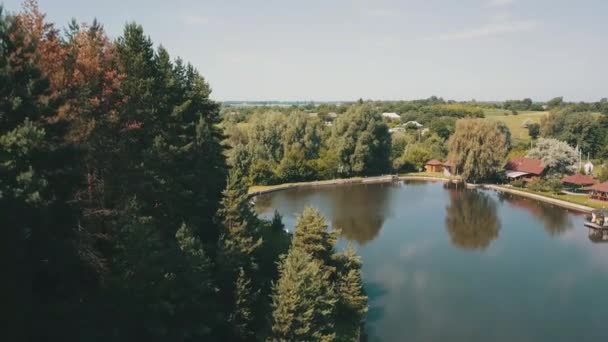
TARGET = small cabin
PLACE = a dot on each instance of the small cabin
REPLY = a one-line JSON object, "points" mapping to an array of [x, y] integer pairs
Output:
{"points": [[598, 191], [433, 165], [524, 168], [577, 182]]}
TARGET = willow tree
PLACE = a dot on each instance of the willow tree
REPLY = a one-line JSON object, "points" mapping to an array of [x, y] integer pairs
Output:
{"points": [[478, 148]]}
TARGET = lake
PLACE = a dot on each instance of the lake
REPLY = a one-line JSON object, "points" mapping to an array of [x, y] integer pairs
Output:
{"points": [[446, 264]]}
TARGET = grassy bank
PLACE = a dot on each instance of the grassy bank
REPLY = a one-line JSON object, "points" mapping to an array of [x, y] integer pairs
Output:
{"points": [[575, 199], [268, 188], [428, 175]]}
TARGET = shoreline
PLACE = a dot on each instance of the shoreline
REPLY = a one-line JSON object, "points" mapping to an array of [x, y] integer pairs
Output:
{"points": [[393, 178], [330, 182], [560, 203], [254, 191]]}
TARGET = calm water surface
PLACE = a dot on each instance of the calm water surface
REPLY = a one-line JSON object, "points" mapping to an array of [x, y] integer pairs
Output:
{"points": [[442, 264]]}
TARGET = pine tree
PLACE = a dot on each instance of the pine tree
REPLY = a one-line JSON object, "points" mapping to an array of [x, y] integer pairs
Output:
{"points": [[239, 240], [303, 301], [276, 224], [313, 237], [352, 300], [238, 245], [242, 317], [39, 174], [199, 318]]}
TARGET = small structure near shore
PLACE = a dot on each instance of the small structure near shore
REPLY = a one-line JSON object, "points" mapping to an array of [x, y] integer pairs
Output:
{"points": [[524, 168], [433, 165], [598, 219], [598, 191], [437, 166], [577, 182]]}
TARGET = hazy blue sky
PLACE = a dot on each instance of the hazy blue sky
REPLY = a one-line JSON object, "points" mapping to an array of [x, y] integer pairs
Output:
{"points": [[344, 50]]}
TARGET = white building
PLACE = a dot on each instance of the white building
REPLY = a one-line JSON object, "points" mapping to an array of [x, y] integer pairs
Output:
{"points": [[392, 116]]}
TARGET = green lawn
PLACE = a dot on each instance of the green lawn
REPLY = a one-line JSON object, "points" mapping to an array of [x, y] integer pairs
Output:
{"points": [[577, 199], [514, 122]]}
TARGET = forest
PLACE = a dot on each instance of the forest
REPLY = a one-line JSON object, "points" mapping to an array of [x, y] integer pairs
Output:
{"points": [[124, 189], [283, 144], [121, 218]]}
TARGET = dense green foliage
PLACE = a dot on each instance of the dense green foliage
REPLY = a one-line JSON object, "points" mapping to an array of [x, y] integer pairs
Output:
{"points": [[534, 130], [273, 147], [478, 148], [319, 295], [584, 129], [521, 105], [119, 219]]}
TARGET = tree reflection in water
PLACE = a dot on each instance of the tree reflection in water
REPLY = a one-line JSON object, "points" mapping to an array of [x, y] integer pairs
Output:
{"points": [[359, 211], [471, 219], [555, 220]]}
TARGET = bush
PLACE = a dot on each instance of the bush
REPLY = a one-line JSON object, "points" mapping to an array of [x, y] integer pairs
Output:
{"points": [[602, 172], [519, 183], [534, 130], [552, 185]]}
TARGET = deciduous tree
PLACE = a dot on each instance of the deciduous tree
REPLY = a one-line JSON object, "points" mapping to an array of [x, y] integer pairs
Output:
{"points": [[478, 148]]}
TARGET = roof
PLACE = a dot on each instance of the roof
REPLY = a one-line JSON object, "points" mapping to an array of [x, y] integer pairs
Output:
{"points": [[601, 187], [448, 164], [391, 115], [528, 165], [515, 174], [579, 179], [434, 162]]}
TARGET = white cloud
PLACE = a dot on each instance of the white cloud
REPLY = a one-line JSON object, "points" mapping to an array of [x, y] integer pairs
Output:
{"points": [[497, 3], [489, 30]]}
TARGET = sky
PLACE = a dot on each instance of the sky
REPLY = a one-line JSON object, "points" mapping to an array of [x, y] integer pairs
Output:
{"points": [[339, 50]]}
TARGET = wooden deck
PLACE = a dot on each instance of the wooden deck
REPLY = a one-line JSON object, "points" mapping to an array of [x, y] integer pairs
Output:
{"points": [[595, 225]]}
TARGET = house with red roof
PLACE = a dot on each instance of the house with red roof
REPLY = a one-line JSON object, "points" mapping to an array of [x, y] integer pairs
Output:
{"points": [[599, 191], [524, 168], [577, 182]]}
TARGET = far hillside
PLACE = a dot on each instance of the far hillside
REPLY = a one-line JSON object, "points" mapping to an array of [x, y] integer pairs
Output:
{"points": [[516, 122]]}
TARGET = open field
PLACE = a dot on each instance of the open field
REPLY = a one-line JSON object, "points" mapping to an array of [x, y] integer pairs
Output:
{"points": [[514, 122]]}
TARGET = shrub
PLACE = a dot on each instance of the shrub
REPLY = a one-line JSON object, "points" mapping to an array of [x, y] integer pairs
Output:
{"points": [[519, 183], [552, 185]]}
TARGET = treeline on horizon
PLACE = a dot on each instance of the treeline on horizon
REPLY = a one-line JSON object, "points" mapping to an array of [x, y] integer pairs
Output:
{"points": [[423, 105], [280, 144], [121, 218]]}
